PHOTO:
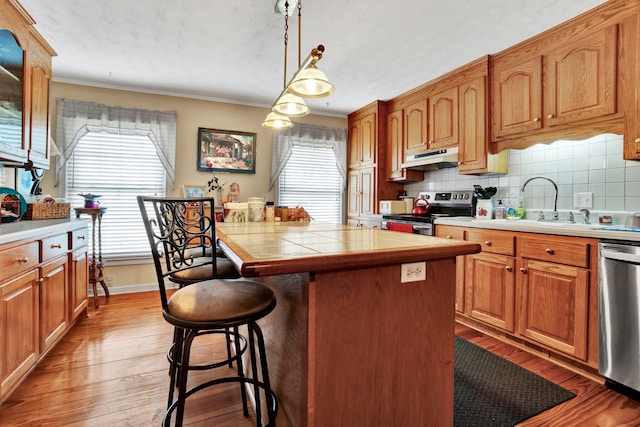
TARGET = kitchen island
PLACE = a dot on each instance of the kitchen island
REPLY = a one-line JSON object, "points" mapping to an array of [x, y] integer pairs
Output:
{"points": [[349, 342]]}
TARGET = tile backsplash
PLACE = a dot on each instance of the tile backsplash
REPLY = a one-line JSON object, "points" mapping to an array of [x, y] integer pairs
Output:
{"points": [[593, 165]]}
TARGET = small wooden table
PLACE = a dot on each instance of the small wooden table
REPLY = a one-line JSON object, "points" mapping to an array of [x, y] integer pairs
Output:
{"points": [[96, 266]]}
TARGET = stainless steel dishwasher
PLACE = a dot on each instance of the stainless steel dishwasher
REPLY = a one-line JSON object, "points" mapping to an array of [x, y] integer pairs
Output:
{"points": [[619, 315]]}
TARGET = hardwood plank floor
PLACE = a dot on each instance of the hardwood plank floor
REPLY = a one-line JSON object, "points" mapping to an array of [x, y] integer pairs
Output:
{"points": [[111, 370]]}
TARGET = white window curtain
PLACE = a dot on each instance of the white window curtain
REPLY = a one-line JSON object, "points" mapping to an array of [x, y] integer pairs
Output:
{"points": [[78, 118], [308, 136]]}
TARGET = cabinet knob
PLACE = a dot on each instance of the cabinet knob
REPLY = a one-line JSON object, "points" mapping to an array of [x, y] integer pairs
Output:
{"points": [[488, 243], [56, 246], [637, 140], [550, 116], [449, 237], [23, 260], [536, 119], [508, 268], [41, 280], [80, 237], [523, 270], [549, 251]]}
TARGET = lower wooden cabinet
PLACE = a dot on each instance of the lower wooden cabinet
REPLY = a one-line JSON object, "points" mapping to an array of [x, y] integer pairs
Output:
{"points": [[535, 287], [491, 289], [19, 328], [43, 290]]}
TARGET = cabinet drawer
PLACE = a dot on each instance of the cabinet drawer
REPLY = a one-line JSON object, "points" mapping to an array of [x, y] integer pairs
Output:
{"points": [[54, 246], [79, 238], [18, 259], [497, 242], [450, 232], [566, 251]]}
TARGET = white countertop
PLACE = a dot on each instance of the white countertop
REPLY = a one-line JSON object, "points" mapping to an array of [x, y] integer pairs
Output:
{"points": [[596, 231], [24, 230]]}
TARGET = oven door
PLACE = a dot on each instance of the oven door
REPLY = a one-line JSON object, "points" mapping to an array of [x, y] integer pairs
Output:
{"points": [[408, 227]]}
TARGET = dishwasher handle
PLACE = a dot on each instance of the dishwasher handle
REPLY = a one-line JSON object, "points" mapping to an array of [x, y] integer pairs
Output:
{"points": [[619, 256]]}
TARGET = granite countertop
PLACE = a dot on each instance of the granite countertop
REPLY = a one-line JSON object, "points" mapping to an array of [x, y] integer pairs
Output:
{"points": [[596, 231], [269, 248], [32, 229]]}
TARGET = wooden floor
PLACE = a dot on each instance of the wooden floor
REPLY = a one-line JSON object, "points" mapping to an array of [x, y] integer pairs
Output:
{"points": [[111, 370]]}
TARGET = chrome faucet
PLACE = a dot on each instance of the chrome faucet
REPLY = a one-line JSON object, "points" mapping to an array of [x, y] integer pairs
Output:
{"points": [[555, 200]]}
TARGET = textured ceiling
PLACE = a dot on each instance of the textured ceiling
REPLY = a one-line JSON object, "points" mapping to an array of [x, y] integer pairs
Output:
{"points": [[233, 50]]}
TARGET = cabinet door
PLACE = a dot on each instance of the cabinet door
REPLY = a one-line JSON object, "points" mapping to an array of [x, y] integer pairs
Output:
{"points": [[369, 140], [39, 144], [355, 145], [78, 282], [354, 193], [473, 146], [443, 119], [368, 191], [554, 305], [53, 301], [19, 322], [450, 232], [395, 128], [517, 98], [490, 287], [415, 131], [581, 79]]}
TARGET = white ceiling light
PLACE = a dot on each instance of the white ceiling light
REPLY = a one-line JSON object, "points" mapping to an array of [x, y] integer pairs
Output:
{"points": [[307, 81]]}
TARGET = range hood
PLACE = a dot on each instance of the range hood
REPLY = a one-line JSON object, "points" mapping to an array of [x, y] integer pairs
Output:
{"points": [[433, 160]]}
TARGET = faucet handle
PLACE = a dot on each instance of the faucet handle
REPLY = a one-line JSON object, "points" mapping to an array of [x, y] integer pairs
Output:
{"points": [[540, 216], [585, 213], [570, 217]]}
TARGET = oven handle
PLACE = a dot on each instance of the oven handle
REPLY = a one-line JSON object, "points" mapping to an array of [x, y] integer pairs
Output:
{"points": [[417, 229]]}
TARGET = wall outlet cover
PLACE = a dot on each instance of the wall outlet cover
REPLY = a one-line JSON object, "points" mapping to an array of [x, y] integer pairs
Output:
{"points": [[583, 200]]}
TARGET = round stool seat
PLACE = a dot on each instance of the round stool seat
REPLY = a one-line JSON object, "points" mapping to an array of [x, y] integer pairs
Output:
{"points": [[224, 268], [219, 300]]}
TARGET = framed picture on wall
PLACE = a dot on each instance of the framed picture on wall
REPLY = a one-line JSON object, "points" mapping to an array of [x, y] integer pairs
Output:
{"points": [[191, 191], [226, 151]]}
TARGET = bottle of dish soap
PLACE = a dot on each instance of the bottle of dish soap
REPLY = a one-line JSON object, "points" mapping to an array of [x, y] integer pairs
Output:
{"points": [[521, 211], [500, 211], [510, 213]]}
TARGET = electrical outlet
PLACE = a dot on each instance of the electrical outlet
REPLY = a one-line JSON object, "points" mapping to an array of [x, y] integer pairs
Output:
{"points": [[413, 272], [583, 200], [109, 280]]}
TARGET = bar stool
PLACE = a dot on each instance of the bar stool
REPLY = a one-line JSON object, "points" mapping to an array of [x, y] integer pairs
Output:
{"points": [[210, 306]]}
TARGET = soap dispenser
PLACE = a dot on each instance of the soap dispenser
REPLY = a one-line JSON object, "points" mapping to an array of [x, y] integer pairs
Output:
{"points": [[521, 211], [500, 210]]}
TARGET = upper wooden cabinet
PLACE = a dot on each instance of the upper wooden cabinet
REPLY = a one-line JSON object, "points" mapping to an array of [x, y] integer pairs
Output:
{"points": [[579, 84], [397, 147], [516, 97], [362, 141], [30, 146], [443, 119], [415, 130]]}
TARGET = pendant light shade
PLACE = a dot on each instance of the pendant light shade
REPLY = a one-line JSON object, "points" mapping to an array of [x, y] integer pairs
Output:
{"points": [[277, 121], [291, 105], [311, 83]]}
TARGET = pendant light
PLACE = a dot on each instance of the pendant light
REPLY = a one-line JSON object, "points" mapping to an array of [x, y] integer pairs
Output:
{"points": [[307, 81]]}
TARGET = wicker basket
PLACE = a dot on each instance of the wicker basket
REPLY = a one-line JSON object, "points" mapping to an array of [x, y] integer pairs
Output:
{"points": [[47, 210]]}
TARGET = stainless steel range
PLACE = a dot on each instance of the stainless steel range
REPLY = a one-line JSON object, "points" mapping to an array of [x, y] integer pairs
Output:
{"points": [[447, 203]]}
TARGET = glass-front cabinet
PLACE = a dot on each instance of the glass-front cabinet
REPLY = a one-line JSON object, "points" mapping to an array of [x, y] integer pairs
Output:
{"points": [[25, 72]]}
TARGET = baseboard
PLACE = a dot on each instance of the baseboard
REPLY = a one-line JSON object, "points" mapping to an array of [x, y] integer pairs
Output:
{"points": [[118, 290]]}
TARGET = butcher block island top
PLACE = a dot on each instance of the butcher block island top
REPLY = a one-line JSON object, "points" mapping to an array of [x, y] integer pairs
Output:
{"points": [[349, 343], [268, 248]]}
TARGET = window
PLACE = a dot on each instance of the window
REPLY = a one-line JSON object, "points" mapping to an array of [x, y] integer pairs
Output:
{"points": [[119, 168], [311, 178]]}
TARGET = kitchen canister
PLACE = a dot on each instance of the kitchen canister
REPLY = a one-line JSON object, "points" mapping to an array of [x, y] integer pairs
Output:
{"points": [[484, 209], [256, 209]]}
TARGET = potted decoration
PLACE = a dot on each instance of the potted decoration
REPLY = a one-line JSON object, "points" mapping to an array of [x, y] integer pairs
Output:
{"points": [[214, 185], [90, 200]]}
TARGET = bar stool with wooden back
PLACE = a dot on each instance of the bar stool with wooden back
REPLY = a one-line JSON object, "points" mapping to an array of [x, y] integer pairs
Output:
{"points": [[216, 305]]}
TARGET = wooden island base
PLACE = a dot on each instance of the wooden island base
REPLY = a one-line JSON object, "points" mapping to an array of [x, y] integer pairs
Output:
{"points": [[358, 347]]}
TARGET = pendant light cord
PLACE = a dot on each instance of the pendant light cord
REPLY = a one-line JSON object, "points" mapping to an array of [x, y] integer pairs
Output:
{"points": [[299, 32], [286, 41]]}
